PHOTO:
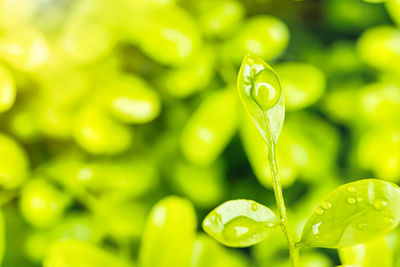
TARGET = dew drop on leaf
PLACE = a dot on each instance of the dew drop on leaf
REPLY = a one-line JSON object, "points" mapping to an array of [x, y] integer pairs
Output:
{"points": [[388, 220], [254, 207], [351, 200], [380, 204], [349, 222], [326, 205], [238, 228], [351, 189], [260, 92]]}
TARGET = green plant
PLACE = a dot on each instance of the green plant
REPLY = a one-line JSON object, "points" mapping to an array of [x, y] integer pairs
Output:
{"points": [[353, 213]]}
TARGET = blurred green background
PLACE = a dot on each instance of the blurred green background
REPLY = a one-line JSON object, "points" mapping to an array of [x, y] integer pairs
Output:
{"points": [[121, 127]]}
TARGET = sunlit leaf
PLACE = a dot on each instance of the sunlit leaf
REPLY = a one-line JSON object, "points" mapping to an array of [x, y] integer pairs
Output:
{"points": [[7, 90], [354, 213], [371, 254], [260, 91], [74, 253], [209, 253], [240, 223], [14, 164], [169, 234], [210, 128]]}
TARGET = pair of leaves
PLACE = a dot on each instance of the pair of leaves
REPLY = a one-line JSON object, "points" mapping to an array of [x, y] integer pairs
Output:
{"points": [[353, 213]]}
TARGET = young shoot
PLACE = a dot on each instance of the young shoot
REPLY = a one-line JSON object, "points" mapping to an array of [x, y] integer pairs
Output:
{"points": [[354, 213]]}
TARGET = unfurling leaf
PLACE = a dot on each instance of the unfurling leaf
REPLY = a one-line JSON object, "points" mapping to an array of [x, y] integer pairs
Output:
{"points": [[260, 91], [240, 223], [354, 213]]}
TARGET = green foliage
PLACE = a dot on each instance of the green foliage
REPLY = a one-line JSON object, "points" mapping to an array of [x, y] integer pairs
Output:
{"points": [[14, 164], [170, 218], [109, 108], [2, 236], [42, 204], [353, 213], [209, 253], [7, 90], [77, 253], [211, 127], [255, 37], [130, 100], [376, 49], [374, 253], [303, 84]]}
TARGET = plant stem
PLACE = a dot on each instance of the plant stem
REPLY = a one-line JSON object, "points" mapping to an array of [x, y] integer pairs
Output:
{"points": [[293, 248]]}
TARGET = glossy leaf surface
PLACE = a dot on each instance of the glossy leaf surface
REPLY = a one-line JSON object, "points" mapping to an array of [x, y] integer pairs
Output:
{"points": [[354, 213], [260, 91], [240, 223]]}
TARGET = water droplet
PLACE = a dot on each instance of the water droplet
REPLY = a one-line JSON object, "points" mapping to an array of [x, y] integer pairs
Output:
{"points": [[351, 189], [380, 204], [388, 220], [250, 61], [351, 200], [254, 206], [360, 199], [319, 211], [362, 225], [326, 205], [238, 228], [266, 90], [315, 228]]}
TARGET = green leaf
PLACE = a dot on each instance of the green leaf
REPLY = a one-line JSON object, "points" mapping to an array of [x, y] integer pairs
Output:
{"points": [[169, 234], [209, 253], [354, 213], [74, 253], [260, 91], [371, 254], [240, 223]]}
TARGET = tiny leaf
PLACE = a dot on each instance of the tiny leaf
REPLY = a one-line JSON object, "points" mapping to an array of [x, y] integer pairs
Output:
{"points": [[260, 91], [240, 223], [354, 213]]}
